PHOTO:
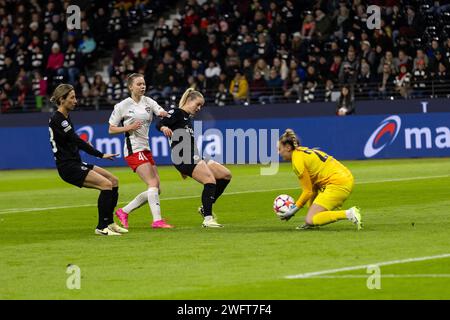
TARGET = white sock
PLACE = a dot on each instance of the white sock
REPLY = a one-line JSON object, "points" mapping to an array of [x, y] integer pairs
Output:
{"points": [[153, 201], [137, 202], [207, 218], [349, 214]]}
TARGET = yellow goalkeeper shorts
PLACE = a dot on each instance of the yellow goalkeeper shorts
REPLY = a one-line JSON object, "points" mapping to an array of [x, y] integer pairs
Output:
{"points": [[334, 195]]}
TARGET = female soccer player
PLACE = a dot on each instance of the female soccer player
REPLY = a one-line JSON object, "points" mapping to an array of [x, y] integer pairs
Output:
{"points": [[65, 145], [326, 184], [185, 156], [133, 117]]}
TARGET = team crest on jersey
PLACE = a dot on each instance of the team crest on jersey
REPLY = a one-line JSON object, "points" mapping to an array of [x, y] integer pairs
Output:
{"points": [[65, 123], [148, 109]]}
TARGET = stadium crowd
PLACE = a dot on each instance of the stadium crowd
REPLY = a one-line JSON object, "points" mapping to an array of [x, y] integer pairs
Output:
{"points": [[236, 52]]}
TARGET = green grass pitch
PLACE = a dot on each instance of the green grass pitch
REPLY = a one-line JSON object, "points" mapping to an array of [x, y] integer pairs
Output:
{"points": [[46, 224]]}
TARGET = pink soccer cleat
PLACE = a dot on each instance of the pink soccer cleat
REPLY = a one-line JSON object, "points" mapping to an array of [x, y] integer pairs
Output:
{"points": [[123, 217], [161, 224]]}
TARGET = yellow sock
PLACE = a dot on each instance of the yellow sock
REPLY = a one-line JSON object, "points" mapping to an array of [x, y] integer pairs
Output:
{"points": [[326, 217]]}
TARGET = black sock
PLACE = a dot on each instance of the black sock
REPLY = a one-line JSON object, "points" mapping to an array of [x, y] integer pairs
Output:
{"points": [[104, 209], [208, 199], [221, 185], [115, 196]]}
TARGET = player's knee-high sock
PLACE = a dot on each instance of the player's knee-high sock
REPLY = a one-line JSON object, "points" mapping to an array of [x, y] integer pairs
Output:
{"points": [[105, 215], [326, 217], [137, 202], [153, 201], [221, 185], [115, 196], [209, 189]]}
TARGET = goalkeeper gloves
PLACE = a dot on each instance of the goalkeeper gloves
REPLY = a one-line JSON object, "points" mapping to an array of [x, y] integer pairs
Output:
{"points": [[290, 213]]}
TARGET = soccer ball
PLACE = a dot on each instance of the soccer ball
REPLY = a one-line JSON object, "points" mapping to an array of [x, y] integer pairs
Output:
{"points": [[282, 203]]}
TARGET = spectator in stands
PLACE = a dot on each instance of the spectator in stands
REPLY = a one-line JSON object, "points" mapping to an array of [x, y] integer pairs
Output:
{"points": [[442, 81], [239, 87], [258, 87], [262, 67], [386, 82], [345, 104], [329, 89], [365, 81], [115, 90], [367, 53], [119, 53], [420, 79], [403, 82], [222, 95], [72, 64], [308, 26], [420, 59], [55, 62], [389, 60], [323, 25], [83, 90], [274, 87], [160, 85], [98, 90]]}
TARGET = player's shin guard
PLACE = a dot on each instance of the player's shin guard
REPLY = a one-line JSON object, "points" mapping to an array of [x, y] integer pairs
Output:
{"points": [[326, 217], [208, 198], [221, 185], [105, 210]]}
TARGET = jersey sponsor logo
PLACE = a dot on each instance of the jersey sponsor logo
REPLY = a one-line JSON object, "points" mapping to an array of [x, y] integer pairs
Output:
{"points": [[67, 129], [383, 136]]}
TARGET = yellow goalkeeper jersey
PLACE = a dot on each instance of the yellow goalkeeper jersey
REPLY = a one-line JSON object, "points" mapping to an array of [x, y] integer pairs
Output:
{"points": [[322, 168]]}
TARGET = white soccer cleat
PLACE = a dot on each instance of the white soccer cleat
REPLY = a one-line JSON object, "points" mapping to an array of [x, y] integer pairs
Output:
{"points": [[106, 232], [211, 223], [116, 228], [201, 211], [355, 216]]}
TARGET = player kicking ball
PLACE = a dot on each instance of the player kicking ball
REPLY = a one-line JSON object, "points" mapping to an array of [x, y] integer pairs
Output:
{"points": [[326, 184], [66, 144], [185, 156]]}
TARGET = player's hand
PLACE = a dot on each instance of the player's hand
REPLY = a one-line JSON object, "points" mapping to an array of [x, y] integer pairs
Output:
{"points": [[290, 213], [167, 132], [110, 156], [134, 126], [163, 114]]}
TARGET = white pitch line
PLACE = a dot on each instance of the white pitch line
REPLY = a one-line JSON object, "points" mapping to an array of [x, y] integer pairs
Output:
{"points": [[362, 276], [378, 264], [20, 210]]}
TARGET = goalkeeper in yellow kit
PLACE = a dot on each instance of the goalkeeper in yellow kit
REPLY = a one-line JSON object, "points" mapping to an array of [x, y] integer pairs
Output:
{"points": [[326, 184]]}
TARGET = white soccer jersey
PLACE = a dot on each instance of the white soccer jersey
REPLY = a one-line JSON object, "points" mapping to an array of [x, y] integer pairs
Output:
{"points": [[128, 111]]}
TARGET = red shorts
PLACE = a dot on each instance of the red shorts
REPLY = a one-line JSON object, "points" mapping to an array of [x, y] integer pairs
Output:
{"points": [[138, 158]]}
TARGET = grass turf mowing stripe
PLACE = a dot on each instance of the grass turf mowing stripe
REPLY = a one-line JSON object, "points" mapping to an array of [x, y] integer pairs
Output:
{"points": [[24, 210]]}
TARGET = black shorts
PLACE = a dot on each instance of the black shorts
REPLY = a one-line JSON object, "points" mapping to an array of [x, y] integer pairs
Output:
{"points": [[74, 172], [188, 168]]}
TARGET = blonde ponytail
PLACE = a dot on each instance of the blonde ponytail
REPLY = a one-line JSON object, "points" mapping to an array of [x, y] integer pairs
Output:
{"points": [[289, 137], [61, 92], [189, 94]]}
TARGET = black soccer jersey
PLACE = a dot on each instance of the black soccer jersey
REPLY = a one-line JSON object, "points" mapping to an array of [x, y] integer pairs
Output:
{"points": [[179, 119], [65, 143]]}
